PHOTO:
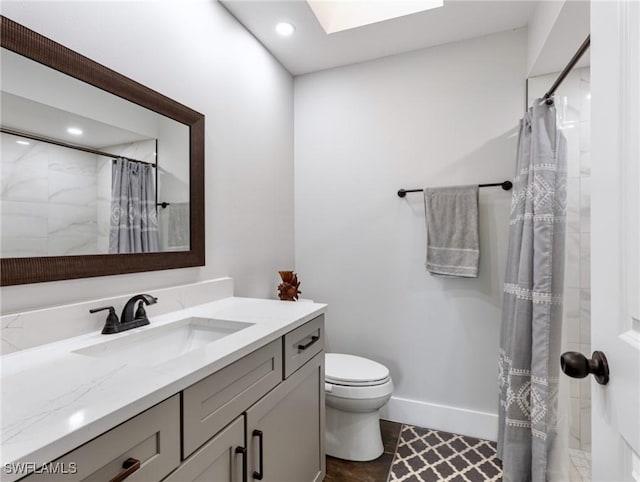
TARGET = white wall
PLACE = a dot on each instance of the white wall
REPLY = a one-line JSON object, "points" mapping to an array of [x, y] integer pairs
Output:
{"points": [[555, 31], [545, 15], [440, 116], [196, 53]]}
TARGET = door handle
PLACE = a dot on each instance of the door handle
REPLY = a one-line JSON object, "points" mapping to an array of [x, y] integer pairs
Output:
{"points": [[259, 474], [576, 365], [243, 451]]}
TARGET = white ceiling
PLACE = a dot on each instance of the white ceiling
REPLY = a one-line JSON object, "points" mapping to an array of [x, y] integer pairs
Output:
{"points": [[311, 49], [25, 115]]}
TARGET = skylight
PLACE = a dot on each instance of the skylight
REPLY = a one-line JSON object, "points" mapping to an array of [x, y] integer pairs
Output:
{"points": [[339, 15]]}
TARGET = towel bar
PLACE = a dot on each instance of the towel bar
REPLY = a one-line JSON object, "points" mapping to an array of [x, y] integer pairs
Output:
{"points": [[506, 185]]}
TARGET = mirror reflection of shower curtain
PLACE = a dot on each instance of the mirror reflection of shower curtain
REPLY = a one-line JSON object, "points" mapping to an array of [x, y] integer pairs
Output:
{"points": [[134, 221]]}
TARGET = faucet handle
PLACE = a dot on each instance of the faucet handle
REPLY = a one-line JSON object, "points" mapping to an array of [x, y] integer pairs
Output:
{"points": [[110, 308], [140, 312], [112, 323]]}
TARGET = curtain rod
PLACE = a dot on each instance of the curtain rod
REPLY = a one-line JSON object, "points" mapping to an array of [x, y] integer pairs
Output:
{"points": [[56, 142], [506, 185], [574, 60]]}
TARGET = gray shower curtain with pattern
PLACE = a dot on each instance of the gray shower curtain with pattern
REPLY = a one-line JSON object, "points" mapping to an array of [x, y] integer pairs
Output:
{"points": [[532, 309], [134, 221]]}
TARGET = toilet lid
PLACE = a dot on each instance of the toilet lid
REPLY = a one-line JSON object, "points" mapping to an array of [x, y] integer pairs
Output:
{"points": [[353, 370]]}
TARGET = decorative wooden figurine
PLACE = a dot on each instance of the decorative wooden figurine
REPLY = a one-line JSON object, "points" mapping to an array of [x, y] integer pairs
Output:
{"points": [[288, 289]]}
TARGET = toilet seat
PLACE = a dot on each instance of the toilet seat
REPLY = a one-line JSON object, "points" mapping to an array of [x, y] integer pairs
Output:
{"points": [[370, 392], [354, 371]]}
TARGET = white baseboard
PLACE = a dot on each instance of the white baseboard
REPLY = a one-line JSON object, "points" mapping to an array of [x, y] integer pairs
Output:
{"points": [[442, 417]]}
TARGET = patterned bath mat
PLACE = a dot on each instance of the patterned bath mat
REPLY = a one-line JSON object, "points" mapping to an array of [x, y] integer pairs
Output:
{"points": [[425, 455]]}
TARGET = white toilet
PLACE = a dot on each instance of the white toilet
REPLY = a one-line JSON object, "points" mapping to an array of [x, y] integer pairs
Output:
{"points": [[355, 388]]}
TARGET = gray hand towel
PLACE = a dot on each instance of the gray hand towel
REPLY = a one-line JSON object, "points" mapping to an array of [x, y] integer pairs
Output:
{"points": [[179, 215], [453, 243]]}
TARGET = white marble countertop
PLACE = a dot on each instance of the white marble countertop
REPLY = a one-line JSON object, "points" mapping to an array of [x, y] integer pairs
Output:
{"points": [[54, 400]]}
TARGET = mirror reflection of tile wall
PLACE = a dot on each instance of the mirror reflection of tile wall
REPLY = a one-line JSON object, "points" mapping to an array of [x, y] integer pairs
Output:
{"points": [[573, 101], [55, 201]]}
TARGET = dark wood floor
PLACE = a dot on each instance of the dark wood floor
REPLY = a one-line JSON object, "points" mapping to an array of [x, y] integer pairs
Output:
{"points": [[375, 471]]}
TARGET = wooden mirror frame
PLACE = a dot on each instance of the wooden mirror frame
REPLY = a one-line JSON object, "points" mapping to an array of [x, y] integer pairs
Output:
{"points": [[16, 271]]}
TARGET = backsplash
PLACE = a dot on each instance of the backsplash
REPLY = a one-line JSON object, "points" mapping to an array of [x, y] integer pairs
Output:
{"points": [[24, 330]]}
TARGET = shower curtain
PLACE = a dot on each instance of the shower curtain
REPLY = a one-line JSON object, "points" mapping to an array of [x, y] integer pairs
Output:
{"points": [[134, 222], [529, 356]]}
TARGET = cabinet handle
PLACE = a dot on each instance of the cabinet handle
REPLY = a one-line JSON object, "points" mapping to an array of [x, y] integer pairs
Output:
{"points": [[258, 475], [130, 466], [243, 451], [313, 340]]}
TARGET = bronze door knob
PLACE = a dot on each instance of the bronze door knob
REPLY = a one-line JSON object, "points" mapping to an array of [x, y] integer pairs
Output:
{"points": [[576, 365]]}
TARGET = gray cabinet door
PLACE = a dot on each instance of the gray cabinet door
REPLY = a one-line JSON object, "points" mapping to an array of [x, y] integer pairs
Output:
{"points": [[219, 460], [290, 422]]}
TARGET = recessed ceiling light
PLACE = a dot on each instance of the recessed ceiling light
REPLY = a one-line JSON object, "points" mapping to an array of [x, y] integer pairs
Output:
{"points": [[74, 131], [285, 29], [22, 143]]}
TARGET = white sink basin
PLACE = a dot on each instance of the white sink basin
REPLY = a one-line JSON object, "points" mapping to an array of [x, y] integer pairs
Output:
{"points": [[158, 345]]}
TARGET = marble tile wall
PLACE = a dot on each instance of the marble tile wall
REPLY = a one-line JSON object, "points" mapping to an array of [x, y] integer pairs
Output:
{"points": [[573, 101], [48, 196], [55, 201]]}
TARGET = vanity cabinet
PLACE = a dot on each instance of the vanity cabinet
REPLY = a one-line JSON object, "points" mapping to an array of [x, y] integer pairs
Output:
{"points": [[259, 418], [301, 344], [222, 459], [149, 441], [210, 404], [285, 429], [284, 439]]}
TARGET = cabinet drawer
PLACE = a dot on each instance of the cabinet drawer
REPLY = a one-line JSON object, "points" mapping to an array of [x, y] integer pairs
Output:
{"points": [[208, 405], [301, 344], [217, 460], [153, 438]]}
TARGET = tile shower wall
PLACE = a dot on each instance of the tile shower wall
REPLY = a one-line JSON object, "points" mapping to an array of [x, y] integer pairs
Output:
{"points": [[55, 200], [573, 101], [48, 199]]}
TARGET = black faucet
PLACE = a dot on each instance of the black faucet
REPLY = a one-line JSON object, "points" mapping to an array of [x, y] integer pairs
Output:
{"points": [[141, 315], [128, 320]]}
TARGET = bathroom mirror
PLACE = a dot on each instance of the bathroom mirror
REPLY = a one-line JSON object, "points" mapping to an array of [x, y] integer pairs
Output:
{"points": [[100, 175]]}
